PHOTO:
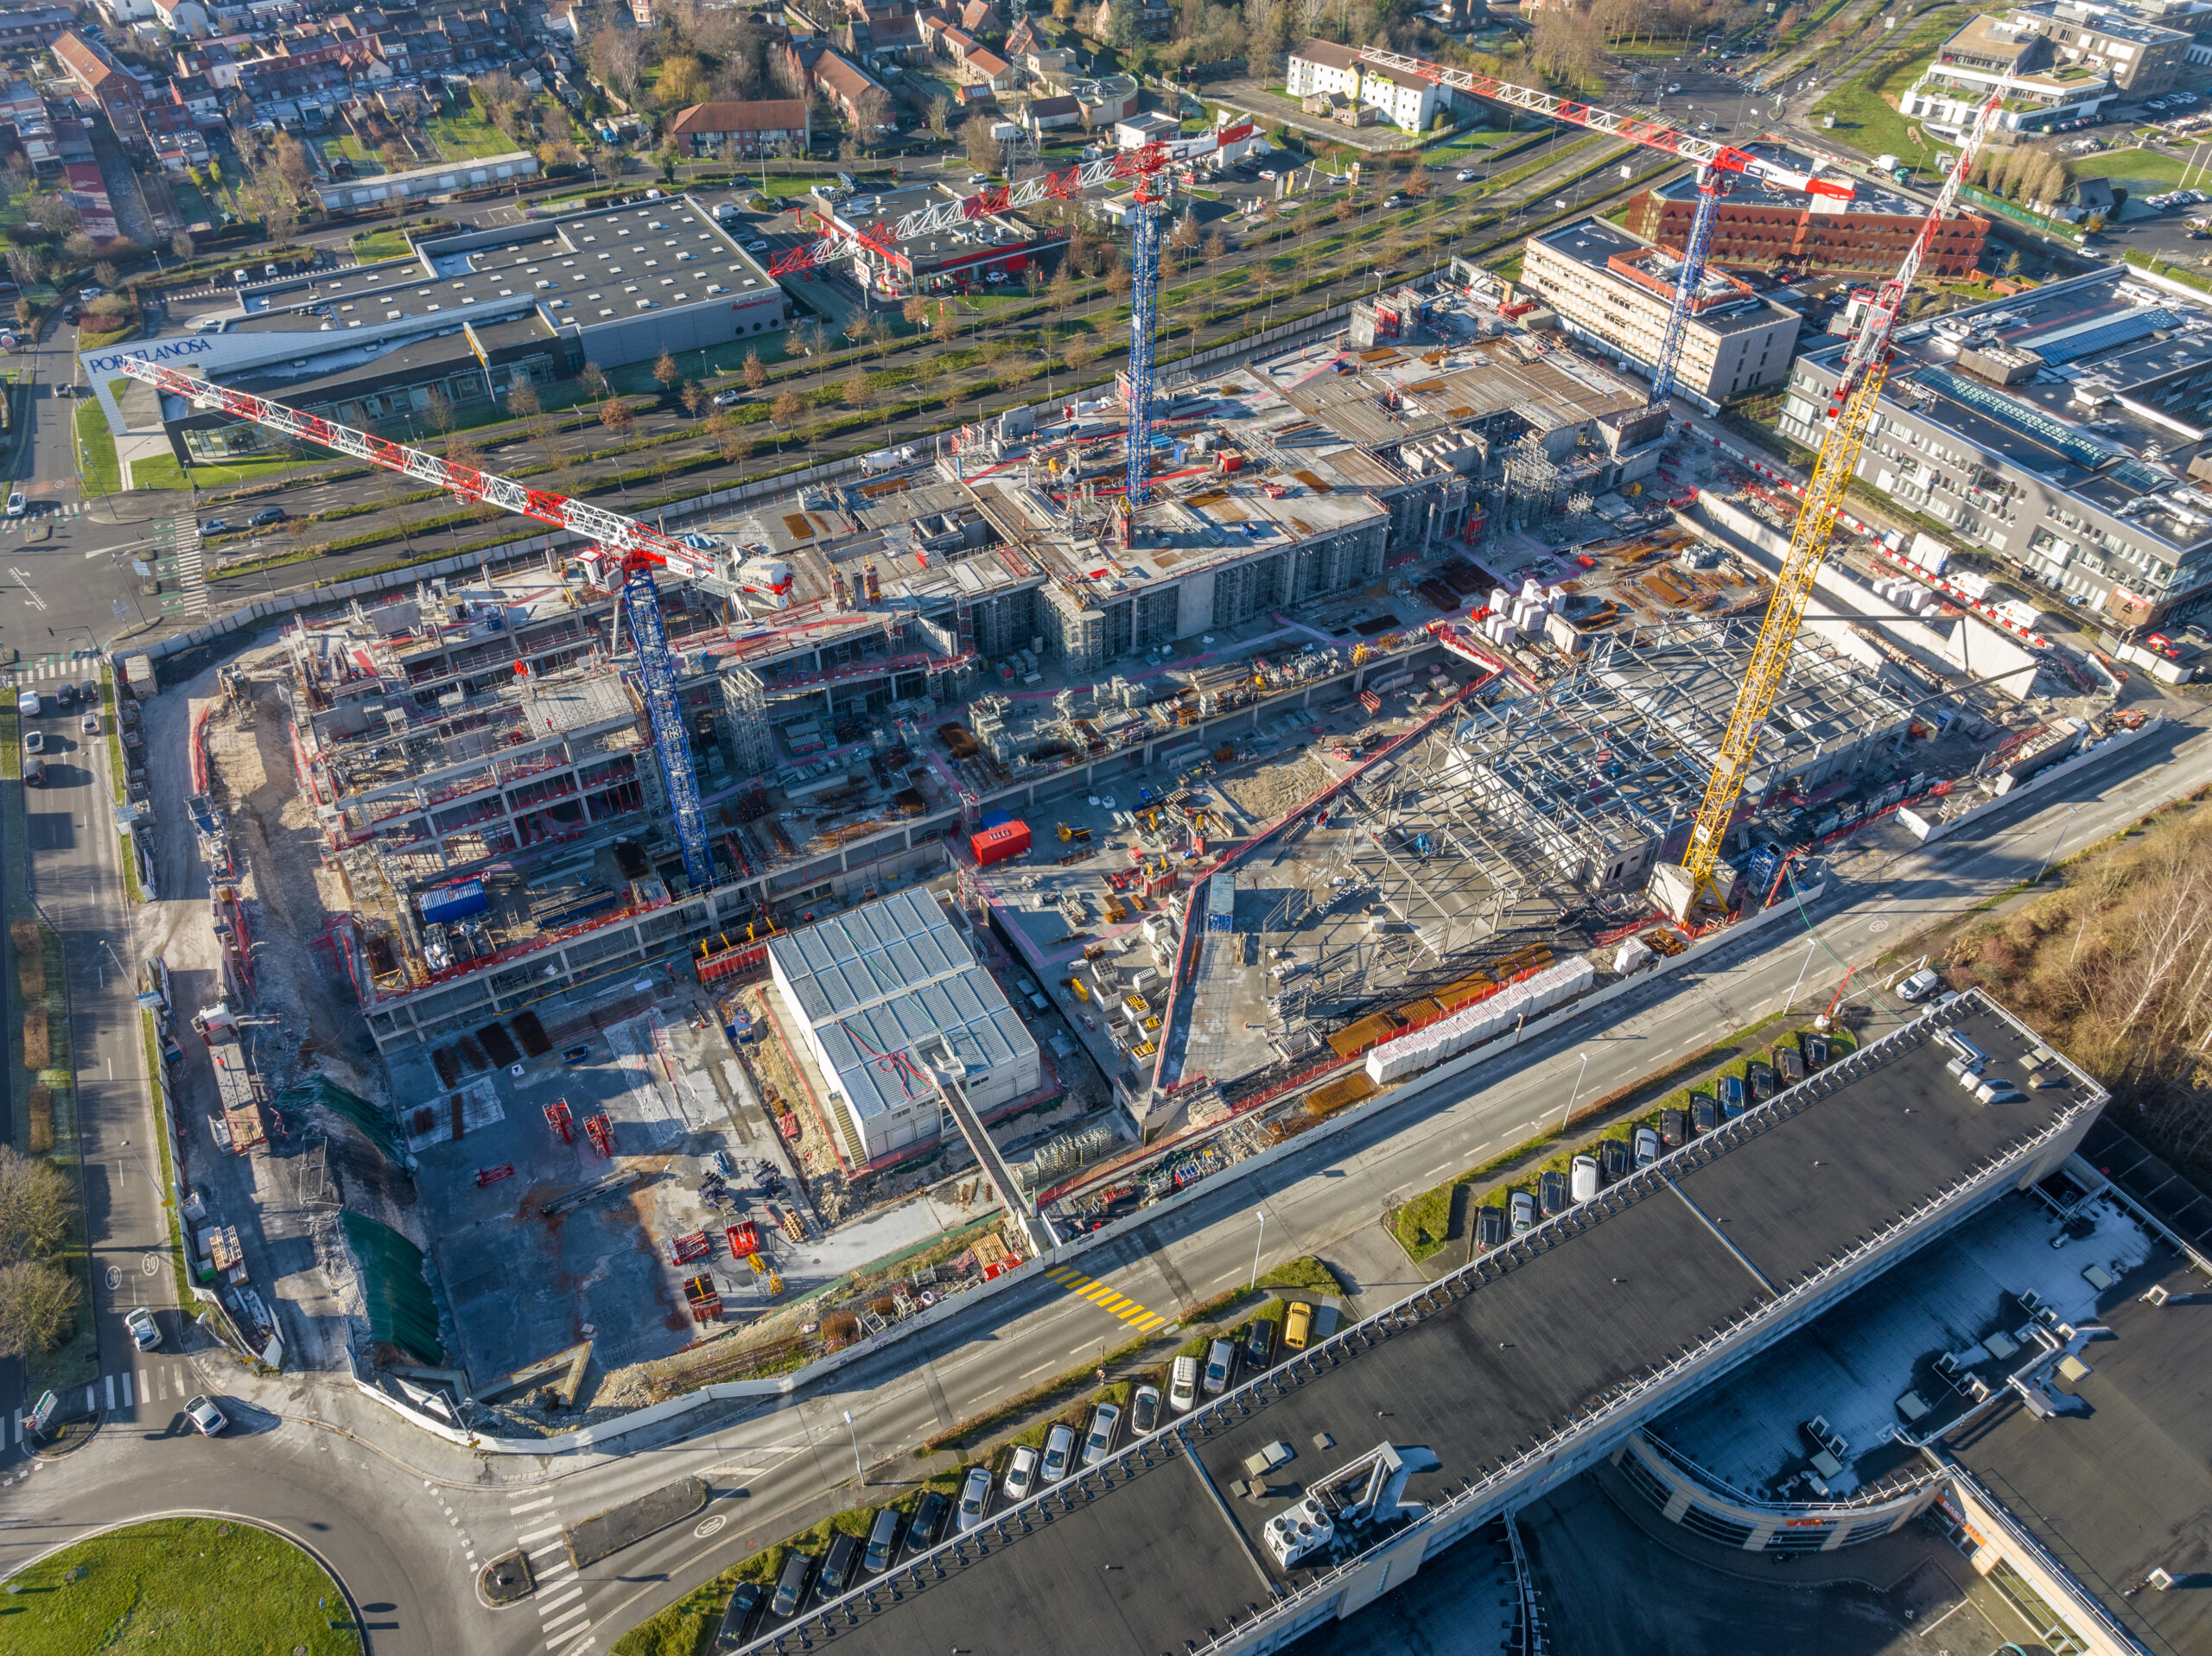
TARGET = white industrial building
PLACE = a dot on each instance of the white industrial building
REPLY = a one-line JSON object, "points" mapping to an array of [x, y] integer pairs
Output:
{"points": [[882, 995]]}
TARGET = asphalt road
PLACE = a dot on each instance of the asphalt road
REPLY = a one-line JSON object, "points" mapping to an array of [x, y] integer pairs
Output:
{"points": [[405, 1519]]}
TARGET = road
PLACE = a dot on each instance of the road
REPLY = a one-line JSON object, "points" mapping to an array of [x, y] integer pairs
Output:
{"points": [[405, 1519]]}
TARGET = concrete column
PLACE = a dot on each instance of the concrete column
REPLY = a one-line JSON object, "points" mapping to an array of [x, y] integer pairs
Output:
{"points": [[1762, 1532]]}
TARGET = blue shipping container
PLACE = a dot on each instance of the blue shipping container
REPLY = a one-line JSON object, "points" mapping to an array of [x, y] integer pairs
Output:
{"points": [[450, 903], [992, 819]]}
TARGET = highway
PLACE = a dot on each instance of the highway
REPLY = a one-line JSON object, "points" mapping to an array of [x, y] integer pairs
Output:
{"points": [[405, 1519]]}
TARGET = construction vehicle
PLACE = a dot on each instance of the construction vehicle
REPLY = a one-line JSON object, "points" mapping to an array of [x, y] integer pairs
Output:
{"points": [[1850, 412], [1069, 834]]}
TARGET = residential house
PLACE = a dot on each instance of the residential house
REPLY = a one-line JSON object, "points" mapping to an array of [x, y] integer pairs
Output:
{"points": [[1407, 100], [99, 77], [758, 127], [184, 18], [857, 94], [990, 69], [1045, 113], [1154, 20], [1316, 68], [27, 27], [955, 42], [983, 19], [1135, 131], [1321, 73], [172, 137]]}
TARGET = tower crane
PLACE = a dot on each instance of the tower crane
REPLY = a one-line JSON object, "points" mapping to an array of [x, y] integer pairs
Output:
{"points": [[1849, 412], [1719, 165], [621, 559], [1144, 165]]}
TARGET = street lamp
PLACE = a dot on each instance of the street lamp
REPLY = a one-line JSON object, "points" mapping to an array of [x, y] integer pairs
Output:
{"points": [[858, 1471], [1256, 1245], [1567, 1115], [2064, 823]]}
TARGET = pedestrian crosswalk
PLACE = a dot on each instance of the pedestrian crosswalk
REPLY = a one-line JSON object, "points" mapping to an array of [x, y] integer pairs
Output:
{"points": [[564, 1616], [42, 515], [146, 1391], [71, 668], [1106, 1298]]}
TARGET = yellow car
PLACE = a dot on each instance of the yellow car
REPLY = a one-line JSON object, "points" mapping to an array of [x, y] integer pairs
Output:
{"points": [[1297, 1326]]}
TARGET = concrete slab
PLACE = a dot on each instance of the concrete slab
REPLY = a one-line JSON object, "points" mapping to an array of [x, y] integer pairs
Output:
{"points": [[609, 1532]]}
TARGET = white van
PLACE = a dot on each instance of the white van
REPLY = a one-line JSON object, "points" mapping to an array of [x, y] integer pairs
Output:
{"points": [[1182, 1382]]}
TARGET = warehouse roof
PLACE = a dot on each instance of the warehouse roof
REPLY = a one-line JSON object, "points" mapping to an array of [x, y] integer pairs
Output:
{"points": [[867, 956], [1736, 1232]]}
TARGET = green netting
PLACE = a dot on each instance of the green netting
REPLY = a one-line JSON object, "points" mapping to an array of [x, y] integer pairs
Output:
{"points": [[393, 1289], [320, 1089]]}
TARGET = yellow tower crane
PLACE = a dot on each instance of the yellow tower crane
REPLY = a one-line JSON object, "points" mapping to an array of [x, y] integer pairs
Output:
{"points": [[1680, 890]]}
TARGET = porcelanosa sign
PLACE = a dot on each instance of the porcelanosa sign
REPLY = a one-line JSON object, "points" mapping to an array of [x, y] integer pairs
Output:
{"points": [[169, 350]]}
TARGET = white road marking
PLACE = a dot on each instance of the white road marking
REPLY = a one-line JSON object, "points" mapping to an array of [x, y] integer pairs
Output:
{"points": [[569, 1614], [126, 1389], [109, 1380], [539, 1535], [574, 1589], [560, 1640], [550, 1546], [533, 1506]]}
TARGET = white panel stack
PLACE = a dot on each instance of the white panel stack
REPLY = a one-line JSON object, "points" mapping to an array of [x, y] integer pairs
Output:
{"points": [[1631, 956], [1472, 1026], [1499, 599]]}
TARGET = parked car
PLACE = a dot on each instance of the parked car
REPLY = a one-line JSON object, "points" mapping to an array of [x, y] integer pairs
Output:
{"points": [[1297, 1326], [737, 1616], [1490, 1228], [18, 503], [1731, 1097], [1791, 1064], [203, 1413], [1760, 1078], [1098, 1442], [1144, 1410], [1704, 1113], [1020, 1473], [756, 246], [729, 399], [1816, 1048], [1523, 1209], [974, 1496], [1394, 201], [35, 742], [1059, 1453], [836, 1567], [929, 1518], [1644, 1141], [265, 517], [1221, 1357], [790, 1586], [1183, 1385], [1467, 173], [1582, 1178], [1551, 1193], [1673, 1128], [1259, 1344], [1613, 1161], [90, 725], [882, 1542], [145, 1333], [1920, 985]]}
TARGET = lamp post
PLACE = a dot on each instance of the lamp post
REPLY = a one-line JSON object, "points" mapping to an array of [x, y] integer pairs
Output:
{"points": [[2064, 823], [1256, 1245], [1567, 1115]]}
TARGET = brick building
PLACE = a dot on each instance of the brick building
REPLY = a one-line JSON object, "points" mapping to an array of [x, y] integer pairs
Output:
{"points": [[1768, 231]]}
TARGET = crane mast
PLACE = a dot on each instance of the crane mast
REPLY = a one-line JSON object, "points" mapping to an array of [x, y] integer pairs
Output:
{"points": [[622, 559], [1849, 412]]}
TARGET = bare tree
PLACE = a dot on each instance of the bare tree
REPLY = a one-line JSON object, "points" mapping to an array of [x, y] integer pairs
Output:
{"points": [[34, 1206], [38, 1305]]}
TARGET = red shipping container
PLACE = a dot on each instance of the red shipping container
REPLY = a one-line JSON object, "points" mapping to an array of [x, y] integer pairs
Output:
{"points": [[997, 844]]}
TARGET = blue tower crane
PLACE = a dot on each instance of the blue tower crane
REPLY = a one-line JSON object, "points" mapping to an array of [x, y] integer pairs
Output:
{"points": [[1712, 185], [1144, 304], [640, 600]]}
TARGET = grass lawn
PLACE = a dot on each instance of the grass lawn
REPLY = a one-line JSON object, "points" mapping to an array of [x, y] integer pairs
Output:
{"points": [[103, 473], [181, 1587], [1871, 119], [460, 132], [164, 472], [1467, 144], [2132, 167], [372, 244]]}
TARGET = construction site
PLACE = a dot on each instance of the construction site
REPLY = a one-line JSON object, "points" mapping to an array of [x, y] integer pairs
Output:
{"points": [[759, 932]]}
